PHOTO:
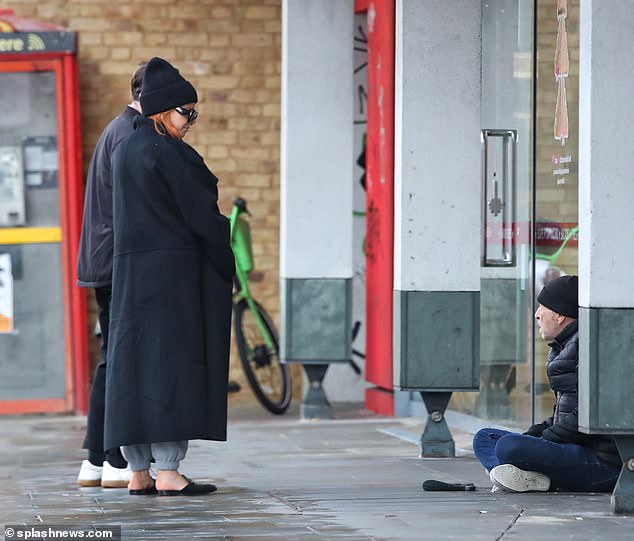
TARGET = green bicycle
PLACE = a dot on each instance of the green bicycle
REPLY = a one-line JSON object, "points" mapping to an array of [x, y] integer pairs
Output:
{"points": [[255, 333]]}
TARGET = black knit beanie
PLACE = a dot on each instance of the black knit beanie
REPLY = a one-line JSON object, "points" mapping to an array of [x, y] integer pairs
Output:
{"points": [[164, 88], [561, 296]]}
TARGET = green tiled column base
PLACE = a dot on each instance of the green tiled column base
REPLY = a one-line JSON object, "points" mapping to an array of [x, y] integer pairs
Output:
{"points": [[606, 365], [437, 340], [316, 320]]}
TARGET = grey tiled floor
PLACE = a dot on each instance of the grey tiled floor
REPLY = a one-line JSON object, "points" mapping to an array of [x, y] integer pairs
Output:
{"points": [[281, 478]]}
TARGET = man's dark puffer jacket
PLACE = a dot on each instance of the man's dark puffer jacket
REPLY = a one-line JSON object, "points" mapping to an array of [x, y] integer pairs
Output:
{"points": [[563, 426]]}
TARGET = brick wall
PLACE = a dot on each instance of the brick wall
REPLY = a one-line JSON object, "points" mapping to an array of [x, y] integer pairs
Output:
{"points": [[231, 51]]}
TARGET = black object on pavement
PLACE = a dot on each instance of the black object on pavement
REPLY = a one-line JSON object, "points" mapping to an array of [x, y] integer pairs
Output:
{"points": [[431, 485]]}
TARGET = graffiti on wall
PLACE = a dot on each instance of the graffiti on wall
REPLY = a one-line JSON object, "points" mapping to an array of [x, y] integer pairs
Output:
{"points": [[359, 200]]}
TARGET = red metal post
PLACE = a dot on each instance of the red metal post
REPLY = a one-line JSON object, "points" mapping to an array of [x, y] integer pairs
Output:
{"points": [[74, 202], [380, 205]]}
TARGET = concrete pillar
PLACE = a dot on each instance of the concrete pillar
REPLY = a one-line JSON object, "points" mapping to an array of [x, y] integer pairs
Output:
{"points": [[437, 202], [317, 161], [606, 252]]}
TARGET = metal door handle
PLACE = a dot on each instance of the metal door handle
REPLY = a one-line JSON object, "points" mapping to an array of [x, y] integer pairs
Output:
{"points": [[498, 197]]}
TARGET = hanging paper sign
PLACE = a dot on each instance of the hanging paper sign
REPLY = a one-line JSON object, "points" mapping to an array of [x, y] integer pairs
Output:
{"points": [[6, 294]]}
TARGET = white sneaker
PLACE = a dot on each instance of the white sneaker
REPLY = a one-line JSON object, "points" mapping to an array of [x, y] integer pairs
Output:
{"points": [[513, 479], [112, 477], [89, 475], [495, 487]]}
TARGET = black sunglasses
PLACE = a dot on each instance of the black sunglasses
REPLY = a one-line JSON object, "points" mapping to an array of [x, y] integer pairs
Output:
{"points": [[191, 114]]}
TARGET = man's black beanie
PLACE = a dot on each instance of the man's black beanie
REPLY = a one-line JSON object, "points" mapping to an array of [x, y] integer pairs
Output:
{"points": [[561, 296], [164, 88]]}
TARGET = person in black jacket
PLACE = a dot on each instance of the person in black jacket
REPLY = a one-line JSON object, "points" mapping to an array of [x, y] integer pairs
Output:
{"points": [[170, 321], [94, 269], [553, 455]]}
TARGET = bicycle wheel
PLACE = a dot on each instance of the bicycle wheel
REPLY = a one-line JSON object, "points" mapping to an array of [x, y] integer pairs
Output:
{"points": [[268, 377]]}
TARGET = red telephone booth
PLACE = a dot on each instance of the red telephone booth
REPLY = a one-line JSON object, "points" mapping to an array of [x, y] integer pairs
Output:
{"points": [[43, 339]]}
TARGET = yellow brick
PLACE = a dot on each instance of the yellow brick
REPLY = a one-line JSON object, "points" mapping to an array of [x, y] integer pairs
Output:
{"points": [[219, 82], [120, 53], [225, 165], [90, 38], [123, 25], [256, 124], [260, 54], [123, 38], [145, 53], [255, 180], [216, 153], [272, 139], [250, 194], [253, 110], [221, 12], [218, 109], [219, 26], [253, 153], [151, 39], [253, 82], [222, 68], [273, 26], [253, 68], [250, 96], [259, 166], [252, 40], [217, 138], [261, 12], [273, 81], [95, 52], [178, 11], [81, 24], [271, 109], [188, 40], [52, 12], [112, 67], [220, 40], [88, 10]]}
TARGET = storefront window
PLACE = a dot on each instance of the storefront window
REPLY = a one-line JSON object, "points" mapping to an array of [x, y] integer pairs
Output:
{"points": [[556, 159]]}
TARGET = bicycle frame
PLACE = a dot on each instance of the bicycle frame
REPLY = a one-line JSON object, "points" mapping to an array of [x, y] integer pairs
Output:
{"points": [[239, 246]]}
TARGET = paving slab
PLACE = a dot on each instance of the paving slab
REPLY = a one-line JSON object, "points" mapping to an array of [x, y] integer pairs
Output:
{"points": [[355, 477]]}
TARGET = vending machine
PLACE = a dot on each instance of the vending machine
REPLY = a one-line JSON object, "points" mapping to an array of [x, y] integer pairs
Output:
{"points": [[43, 338]]}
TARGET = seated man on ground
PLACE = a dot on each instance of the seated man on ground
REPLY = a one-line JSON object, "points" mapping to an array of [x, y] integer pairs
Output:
{"points": [[553, 455]]}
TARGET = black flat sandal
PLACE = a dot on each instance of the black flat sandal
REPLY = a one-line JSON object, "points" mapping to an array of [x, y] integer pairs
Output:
{"points": [[193, 489], [149, 491]]}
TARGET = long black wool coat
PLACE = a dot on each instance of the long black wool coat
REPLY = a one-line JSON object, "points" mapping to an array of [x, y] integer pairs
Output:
{"points": [[170, 323]]}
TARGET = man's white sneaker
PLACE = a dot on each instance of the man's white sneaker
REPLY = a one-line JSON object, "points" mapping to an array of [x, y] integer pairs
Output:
{"points": [[495, 487], [89, 475], [514, 479], [112, 477]]}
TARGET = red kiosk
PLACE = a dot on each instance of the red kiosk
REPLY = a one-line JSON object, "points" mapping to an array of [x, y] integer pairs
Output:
{"points": [[43, 338]]}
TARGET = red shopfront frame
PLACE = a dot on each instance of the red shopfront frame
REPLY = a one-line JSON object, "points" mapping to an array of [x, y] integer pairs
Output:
{"points": [[76, 364]]}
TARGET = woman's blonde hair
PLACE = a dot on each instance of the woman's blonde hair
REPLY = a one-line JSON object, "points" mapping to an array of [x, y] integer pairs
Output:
{"points": [[163, 124]]}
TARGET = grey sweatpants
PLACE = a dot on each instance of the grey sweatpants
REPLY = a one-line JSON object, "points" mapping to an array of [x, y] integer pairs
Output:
{"points": [[167, 454]]}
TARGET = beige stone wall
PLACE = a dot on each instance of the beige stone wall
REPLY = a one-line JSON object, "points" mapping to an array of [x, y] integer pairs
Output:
{"points": [[231, 51]]}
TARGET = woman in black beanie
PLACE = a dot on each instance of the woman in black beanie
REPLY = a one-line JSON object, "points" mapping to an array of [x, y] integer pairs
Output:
{"points": [[171, 294]]}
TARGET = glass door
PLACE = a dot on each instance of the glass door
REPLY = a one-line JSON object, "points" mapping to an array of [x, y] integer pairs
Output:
{"points": [[530, 97], [505, 285]]}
